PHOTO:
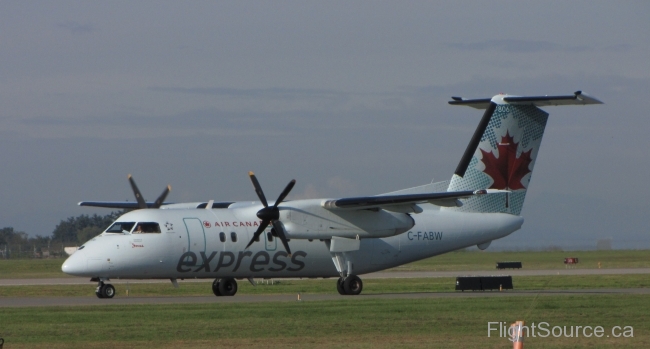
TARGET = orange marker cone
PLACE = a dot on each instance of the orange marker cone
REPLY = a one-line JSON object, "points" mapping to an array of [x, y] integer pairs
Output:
{"points": [[517, 335]]}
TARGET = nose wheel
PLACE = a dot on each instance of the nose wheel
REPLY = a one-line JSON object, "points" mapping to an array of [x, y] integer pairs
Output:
{"points": [[105, 290], [349, 286]]}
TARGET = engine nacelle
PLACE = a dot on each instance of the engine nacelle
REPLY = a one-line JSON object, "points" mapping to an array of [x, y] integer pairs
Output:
{"points": [[319, 223]]}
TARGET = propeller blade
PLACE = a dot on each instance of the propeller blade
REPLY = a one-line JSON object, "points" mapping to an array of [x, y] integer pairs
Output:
{"points": [[271, 214], [285, 192], [136, 191], [279, 229], [265, 223], [162, 197], [258, 189]]}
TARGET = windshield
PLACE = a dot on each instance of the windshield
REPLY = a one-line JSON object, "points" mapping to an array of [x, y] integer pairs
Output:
{"points": [[120, 227], [147, 228]]}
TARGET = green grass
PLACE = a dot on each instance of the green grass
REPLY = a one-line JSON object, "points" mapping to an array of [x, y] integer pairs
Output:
{"points": [[327, 286], [484, 260], [31, 268], [349, 322], [454, 261]]}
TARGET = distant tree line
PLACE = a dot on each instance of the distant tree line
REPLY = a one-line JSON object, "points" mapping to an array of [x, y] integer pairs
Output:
{"points": [[83, 228], [69, 232]]}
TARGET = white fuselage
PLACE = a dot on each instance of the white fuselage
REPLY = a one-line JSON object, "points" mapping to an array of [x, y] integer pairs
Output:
{"points": [[210, 243]]}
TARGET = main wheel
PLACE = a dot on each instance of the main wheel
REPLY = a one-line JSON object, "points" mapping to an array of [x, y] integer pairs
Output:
{"points": [[227, 287], [339, 286], [107, 291], [352, 285], [215, 288], [98, 291]]}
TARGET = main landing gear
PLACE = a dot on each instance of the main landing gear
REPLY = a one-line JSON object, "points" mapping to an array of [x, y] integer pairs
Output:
{"points": [[350, 286], [104, 290], [224, 287]]}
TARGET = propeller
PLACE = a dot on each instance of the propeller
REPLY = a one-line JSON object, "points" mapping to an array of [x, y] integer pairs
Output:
{"points": [[138, 196], [271, 214]]}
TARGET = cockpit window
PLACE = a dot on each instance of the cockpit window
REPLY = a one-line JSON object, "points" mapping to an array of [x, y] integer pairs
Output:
{"points": [[146, 228], [120, 227]]}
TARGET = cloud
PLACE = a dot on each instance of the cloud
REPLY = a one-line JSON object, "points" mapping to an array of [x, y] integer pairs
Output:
{"points": [[336, 186], [309, 192], [618, 48], [341, 185], [76, 27], [517, 46], [271, 93]]}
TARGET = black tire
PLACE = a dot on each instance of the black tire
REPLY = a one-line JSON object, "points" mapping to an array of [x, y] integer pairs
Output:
{"points": [[215, 288], [227, 287], [352, 285], [339, 286], [107, 291], [98, 291]]}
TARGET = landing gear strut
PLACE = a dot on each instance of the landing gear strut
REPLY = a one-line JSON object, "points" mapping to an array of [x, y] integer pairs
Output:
{"points": [[351, 285], [224, 287], [104, 290]]}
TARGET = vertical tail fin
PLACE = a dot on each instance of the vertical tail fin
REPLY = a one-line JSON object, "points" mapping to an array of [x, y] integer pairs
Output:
{"points": [[502, 152]]}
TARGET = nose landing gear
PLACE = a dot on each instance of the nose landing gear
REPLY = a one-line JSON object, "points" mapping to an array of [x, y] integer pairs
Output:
{"points": [[104, 290]]}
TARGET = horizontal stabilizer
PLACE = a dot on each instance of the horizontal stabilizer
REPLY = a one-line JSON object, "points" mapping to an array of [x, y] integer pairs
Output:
{"points": [[577, 98]]}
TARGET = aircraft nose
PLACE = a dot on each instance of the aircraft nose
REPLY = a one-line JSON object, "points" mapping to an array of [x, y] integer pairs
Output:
{"points": [[74, 265]]}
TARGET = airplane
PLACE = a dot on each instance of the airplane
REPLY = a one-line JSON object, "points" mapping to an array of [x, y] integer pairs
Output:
{"points": [[333, 237]]}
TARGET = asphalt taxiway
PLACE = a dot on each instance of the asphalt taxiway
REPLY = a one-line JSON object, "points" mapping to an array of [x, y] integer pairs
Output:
{"points": [[377, 275], [18, 302], [92, 301]]}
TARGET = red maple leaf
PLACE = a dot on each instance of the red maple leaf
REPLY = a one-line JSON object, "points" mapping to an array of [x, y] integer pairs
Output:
{"points": [[507, 170]]}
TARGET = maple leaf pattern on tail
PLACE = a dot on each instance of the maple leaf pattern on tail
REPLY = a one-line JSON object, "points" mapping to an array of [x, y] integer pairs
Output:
{"points": [[507, 170]]}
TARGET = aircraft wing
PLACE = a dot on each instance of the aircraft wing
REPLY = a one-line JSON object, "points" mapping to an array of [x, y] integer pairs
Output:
{"points": [[134, 205], [118, 204], [406, 203]]}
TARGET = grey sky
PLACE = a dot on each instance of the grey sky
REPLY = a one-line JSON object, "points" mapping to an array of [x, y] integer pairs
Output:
{"points": [[349, 98]]}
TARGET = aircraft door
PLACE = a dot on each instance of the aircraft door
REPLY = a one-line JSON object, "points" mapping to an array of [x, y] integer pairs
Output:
{"points": [[195, 235]]}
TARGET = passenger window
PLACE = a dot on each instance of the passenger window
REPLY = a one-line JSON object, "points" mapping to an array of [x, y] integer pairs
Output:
{"points": [[233, 237], [269, 236], [222, 237], [146, 228]]}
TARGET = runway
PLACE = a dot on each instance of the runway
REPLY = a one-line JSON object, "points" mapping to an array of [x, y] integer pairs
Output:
{"points": [[6, 302], [20, 302], [377, 275]]}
